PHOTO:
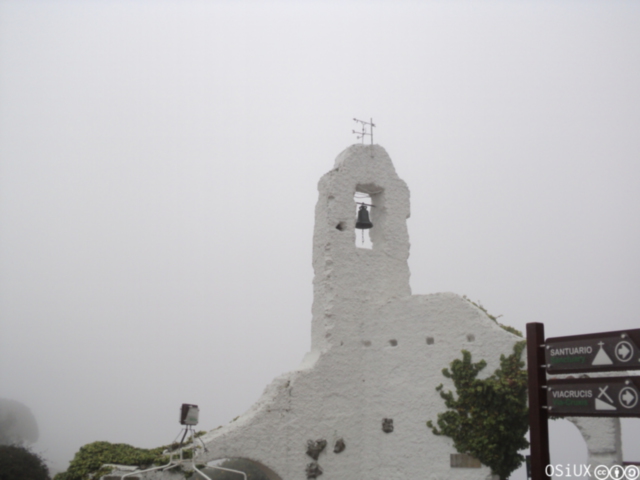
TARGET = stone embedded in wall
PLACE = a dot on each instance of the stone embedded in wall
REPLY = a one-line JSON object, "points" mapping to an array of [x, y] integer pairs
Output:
{"points": [[387, 425], [313, 470], [464, 460], [315, 448], [339, 446]]}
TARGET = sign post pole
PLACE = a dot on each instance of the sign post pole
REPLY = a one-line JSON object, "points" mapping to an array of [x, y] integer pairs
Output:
{"points": [[538, 416]]}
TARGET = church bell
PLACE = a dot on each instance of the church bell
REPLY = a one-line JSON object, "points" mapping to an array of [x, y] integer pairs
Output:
{"points": [[363, 221]]}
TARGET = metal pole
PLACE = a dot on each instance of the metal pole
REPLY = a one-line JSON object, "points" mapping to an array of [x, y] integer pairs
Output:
{"points": [[538, 414], [371, 121]]}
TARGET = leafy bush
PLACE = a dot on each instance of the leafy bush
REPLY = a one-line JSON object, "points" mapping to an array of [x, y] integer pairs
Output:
{"points": [[17, 462], [91, 457], [489, 418], [89, 460]]}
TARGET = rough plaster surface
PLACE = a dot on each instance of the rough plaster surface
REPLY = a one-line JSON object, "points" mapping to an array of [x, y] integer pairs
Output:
{"points": [[377, 351], [369, 357], [603, 437]]}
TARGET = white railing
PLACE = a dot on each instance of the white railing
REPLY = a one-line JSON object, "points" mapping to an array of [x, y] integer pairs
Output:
{"points": [[168, 466], [179, 462]]}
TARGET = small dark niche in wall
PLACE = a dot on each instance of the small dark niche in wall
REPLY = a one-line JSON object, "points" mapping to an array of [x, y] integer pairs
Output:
{"points": [[341, 226], [429, 340], [393, 342], [387, 425]]}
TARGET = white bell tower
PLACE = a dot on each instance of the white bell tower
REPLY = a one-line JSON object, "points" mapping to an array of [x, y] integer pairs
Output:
{"points": [[349, 280]]}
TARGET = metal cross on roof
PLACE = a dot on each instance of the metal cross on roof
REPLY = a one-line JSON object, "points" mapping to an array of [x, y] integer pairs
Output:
{"points": [[364, 133]]}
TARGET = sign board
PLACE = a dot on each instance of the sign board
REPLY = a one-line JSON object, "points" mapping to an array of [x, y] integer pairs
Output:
{"points": [[594, 397], [578, 397], [596, 352]]}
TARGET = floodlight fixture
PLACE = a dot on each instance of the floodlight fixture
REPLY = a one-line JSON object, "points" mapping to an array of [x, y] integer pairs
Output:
{"points": [[189, 414]]}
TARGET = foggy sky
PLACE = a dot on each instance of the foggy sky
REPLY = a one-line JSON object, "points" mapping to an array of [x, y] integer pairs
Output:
{"points": [[158, 172]]}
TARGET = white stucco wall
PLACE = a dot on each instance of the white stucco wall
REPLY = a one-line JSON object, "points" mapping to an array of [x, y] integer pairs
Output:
{"points": [[370, 358], [377, 352], [603, 437]]}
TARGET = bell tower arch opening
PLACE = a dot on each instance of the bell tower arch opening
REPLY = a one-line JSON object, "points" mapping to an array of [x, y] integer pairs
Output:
{"points": [[363, 220], [368, 201]]}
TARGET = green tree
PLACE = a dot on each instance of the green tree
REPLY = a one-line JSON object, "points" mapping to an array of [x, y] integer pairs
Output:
{"points": [[18, 462], [488, 418]]}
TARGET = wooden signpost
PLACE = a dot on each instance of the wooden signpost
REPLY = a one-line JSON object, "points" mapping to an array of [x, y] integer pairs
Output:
{"points": [[578, 397]]}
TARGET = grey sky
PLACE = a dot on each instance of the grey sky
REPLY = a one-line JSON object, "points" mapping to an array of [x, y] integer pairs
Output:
{"points": [[158, 170]]}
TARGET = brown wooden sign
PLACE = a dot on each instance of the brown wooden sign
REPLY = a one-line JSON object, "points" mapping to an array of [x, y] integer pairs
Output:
{"points": [[596, 352], [578, 397], [594, 397]]}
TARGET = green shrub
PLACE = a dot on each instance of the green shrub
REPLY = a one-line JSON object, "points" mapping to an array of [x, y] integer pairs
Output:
{"points": [[89, 460], [487, 418], [91, 457], [17, 462]]}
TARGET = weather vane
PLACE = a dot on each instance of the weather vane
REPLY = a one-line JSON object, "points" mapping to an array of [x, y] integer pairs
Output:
{"points": [[364, 133]]}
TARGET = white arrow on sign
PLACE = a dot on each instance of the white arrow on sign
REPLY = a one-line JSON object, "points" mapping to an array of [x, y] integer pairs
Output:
{"points": [[623, 351], [628, 397]]}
